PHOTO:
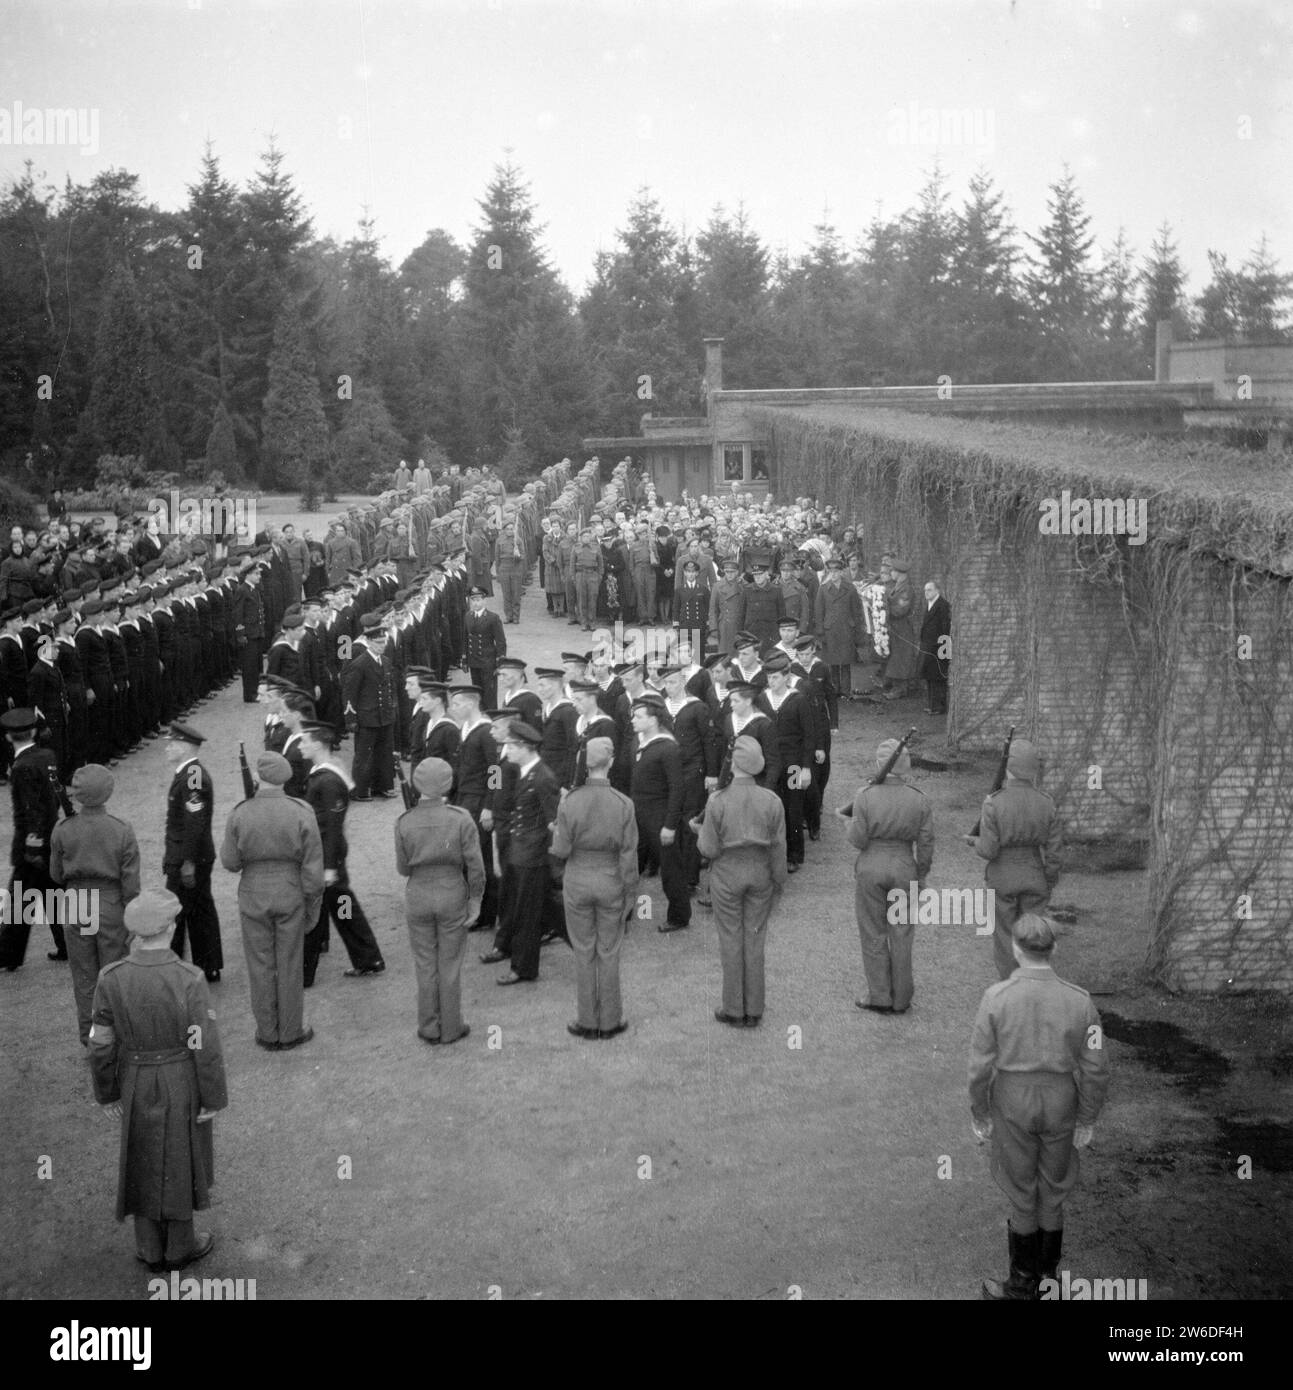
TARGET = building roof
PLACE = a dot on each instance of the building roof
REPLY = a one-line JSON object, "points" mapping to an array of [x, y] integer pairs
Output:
{"points": [[1232, 502]]}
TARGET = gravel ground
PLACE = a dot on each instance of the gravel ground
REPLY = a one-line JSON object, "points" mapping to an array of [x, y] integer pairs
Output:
{"points": [[828, 1151]]}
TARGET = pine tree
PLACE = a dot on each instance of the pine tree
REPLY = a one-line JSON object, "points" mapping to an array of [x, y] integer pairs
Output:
{"points": [[125, 411], [367, 442], [986, 323], [222, 447], [1162, 285], [295, 446], [734, 300], [1062, 286], [643, 292], [924, 291], [1263, 296], [1118, 354], [1219, 304], [815, 312]]}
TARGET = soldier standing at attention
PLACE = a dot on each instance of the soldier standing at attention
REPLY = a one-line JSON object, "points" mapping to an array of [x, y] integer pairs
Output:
{"points": [[369, 696], [189, 852], [93, 852], [597, 836], [658, 790], [743, 835], [157, 1066], [486, 642], [35, 814], [327, 793], [437, 848], [273, 842], [512, 566], [249, 627], [888, 819], [534, 810], [1038, 1078], [1019, 836]]}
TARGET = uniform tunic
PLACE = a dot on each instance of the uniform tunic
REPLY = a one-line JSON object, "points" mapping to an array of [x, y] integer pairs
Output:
{"points": [[273, 841], [437, 848], [657, 791], [190, 808], [534, 809], [95, 852], [597, 836], [1038, 1066], [1019, 836], [744, 836], [888, 819], [35, 814], [369, 696], [145, 1008]]}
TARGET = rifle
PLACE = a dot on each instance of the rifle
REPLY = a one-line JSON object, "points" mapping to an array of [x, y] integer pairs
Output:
{"points": [[999, 780], [60, 791], [249, 787], [407, 792], [887, 768]]}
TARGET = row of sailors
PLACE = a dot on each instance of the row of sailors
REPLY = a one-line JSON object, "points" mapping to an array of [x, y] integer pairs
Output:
{"points": [[787, 706]]}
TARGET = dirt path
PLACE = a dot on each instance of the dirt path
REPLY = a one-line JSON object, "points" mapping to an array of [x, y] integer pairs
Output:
{"points": [[524, 1167]]}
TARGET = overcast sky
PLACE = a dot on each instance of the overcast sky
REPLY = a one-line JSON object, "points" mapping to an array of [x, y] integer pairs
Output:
{"points": [[1172, 111]]}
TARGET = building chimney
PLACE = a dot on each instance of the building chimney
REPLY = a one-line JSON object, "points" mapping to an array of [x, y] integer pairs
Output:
{"points": [[1163, 350], [713, 365]]}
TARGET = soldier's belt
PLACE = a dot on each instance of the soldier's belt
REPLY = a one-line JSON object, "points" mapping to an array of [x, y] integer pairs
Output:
{"points": [[156, 1059], [891, 844]]}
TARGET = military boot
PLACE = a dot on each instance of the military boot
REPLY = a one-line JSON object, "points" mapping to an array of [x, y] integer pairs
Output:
{"points": [[1048, 1255], [1021, 1285]]}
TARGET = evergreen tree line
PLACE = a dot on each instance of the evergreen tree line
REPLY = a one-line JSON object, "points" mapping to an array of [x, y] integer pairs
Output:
{"points": [[226, 337]]}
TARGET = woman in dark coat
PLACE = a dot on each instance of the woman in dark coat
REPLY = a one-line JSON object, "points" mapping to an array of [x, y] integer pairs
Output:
{"points": [[15, 575], [615, 565]]}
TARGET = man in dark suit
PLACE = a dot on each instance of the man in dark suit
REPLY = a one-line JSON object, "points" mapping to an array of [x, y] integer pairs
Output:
{"points": [[249, 629], [190, 851], [691, 603], [369, 694], [797, 747], [32, 780], [657, 792], [935, 657], [534, 812], [485, 643]]}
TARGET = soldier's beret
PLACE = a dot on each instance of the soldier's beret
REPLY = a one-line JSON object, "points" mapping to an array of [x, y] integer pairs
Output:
{"points": [[780, 662], [807, 643], [293, 619], [651, 702], [153, 912], [672, 670], [371, 621], [316, 728], [92, 784], [18, 721], [1024, 761], [433, 777], [63, 615], [465, 689], [886, 750], [273, 768], [549, 673], [742, 688], [33, 605], [89, 587], [89, 608], [186, 733], [579, 658], [419, 671], [476, 592], [747, 756], [510, 663], [585, 687], [717, 661], [521, 732]]}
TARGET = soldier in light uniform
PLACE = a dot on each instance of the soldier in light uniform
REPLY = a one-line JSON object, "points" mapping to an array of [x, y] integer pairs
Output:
{"points": [[1038, 1078], [597, 836], [157, 1066], [94, 852], [437, 848], [892, 827], [743, 835], [1019, 836], [273, 842]]}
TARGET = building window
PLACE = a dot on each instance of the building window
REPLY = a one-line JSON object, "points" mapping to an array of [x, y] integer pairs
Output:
{"points": [[665, 463], [746, 463]]}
